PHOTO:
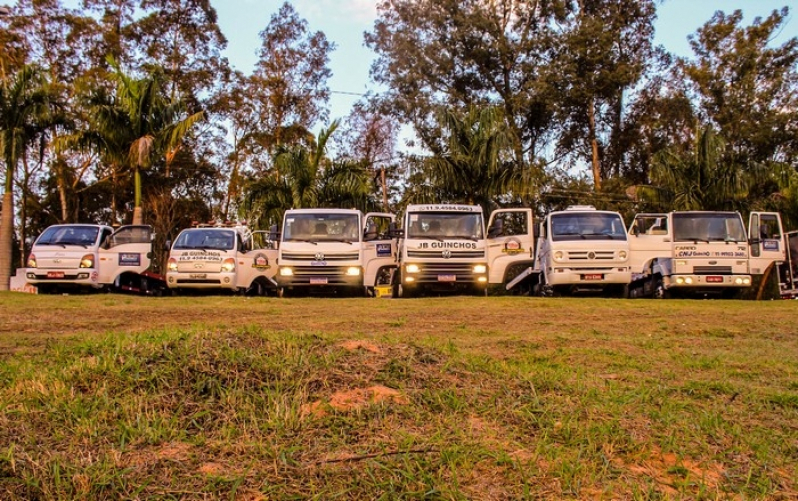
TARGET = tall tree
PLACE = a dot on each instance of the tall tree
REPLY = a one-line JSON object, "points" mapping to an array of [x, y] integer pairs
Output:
{"points": [[24, 119], [699, 179], [308, 178], [136, 126], [472, 160], [603, 52], [289, 85], [183, 38], [468, 52], [747, 88]]}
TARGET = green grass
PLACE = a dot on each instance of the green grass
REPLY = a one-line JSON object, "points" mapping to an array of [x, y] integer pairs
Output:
{"points": [[123, 397]]}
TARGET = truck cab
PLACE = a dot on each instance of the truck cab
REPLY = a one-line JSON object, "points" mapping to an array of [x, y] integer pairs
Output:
{"points": [[582, 250], [335, 251], [90, 256], [696, 252], [222, 257], [444, 248]]}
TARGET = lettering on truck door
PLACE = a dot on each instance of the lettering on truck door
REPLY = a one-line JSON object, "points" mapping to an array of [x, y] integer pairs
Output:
{"points": [[510, 240]]}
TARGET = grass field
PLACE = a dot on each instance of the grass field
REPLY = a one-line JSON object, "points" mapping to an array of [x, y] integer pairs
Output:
{"points": [[124, 397]]}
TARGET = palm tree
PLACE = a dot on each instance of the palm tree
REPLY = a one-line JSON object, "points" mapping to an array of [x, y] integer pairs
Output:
{"points": [[307, 178], [473, 162], [24, 117], [701, 179], [135, 126]]}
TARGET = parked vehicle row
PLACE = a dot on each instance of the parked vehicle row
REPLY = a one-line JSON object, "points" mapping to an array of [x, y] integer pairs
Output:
{"points": [[437, 248]]}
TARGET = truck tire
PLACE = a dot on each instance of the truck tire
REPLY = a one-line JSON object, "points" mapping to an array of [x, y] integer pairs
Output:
{"points": [[660, 292]]}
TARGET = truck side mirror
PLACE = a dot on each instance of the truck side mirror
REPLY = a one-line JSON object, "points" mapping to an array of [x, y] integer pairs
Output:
{"points": [[496, 229], [273, 234], [167, 246], [635, 230], [394, 231]]}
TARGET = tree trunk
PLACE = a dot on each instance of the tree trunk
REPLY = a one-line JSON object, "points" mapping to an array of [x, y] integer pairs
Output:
{"points": [[384, 189], [6, 239], [591, 119]]}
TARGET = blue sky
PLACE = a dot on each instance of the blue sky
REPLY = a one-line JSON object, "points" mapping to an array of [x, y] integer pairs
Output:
{"points": [[344, 21]]}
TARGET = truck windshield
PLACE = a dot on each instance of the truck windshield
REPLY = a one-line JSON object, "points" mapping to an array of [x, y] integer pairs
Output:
{"points": [[321, 227], [205, 239], [445, 225], [708, 227], [584, 226], [69, 235]]}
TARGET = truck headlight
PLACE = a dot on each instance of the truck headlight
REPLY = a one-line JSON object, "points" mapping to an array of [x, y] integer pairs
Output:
{"points": [[31, 261], [286, 271], [480, 268], [353, 271], [229, 265], [746, 281], [171, 265], [681, 262], [622, 254], [87, 261], [412, 268], [558, 255]]}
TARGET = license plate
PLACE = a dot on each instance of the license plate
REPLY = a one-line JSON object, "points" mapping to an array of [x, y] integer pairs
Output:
{"points": [[592, 276], [55, 274], [714, 280], [318, 280], [198, 275], [447, 278]]}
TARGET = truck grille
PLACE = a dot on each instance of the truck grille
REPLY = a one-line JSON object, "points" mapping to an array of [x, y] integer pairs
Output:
{"points": [[430, 272], [472, 254], [335, 275], [306, 256], [712, 270], [586, 255]]}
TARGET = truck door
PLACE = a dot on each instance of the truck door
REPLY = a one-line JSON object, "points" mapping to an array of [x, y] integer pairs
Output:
{"points": [[379, 248], [128, 249], [766, 239], [510, 240], [649, 237], [259, 256]]}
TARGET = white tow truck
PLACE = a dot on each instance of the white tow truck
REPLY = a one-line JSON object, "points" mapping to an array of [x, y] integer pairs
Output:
{"points": [[71, 257], [697, 252], [443, 248], [222, 257], [335, 251], [583, 250], [579, 250]]}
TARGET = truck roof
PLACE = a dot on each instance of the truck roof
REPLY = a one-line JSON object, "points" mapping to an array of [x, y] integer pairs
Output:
{"points": [[443, 208], [323, 211]]}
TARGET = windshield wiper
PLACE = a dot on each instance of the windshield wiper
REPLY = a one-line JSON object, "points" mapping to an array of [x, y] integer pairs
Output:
{"points": [[344, 240], [569, 235], [304, 240], [466, 237]]}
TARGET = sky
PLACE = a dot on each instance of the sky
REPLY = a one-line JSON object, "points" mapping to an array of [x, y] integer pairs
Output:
{"points": [[344, 22]]}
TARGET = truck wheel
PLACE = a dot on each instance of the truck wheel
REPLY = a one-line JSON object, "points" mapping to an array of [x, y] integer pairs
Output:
{"points": [[660, 292]]}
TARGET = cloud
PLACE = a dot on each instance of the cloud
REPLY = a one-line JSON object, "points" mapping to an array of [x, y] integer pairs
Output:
{"points": [[353, 11]]}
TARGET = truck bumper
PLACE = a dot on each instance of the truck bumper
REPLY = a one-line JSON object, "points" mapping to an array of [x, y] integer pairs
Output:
{"points": [[320, 276], [557, 275], [707, 281], [200, 281], [82, 278]]}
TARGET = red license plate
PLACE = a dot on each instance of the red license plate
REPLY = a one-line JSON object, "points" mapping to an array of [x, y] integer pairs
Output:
{"points": [[714, 280], [55, 274], [447, 278], [318, 280], [592, 276]]}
